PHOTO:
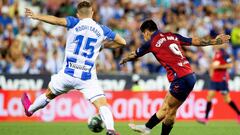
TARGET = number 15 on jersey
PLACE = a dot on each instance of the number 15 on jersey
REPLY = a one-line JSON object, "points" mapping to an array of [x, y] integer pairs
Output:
{"points": [[87, 51]]}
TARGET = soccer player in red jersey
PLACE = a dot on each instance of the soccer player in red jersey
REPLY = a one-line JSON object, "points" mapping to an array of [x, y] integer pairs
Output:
{"points": [[167, 48], [219, 81]]}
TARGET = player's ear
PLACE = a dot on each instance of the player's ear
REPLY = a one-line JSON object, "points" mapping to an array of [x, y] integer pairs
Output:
{"points": [[92, 12], [148, 33], [78, 15]]}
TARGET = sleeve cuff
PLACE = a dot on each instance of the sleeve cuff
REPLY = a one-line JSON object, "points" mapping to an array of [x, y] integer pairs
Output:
{"points": [[137, 54], [68, 22]]}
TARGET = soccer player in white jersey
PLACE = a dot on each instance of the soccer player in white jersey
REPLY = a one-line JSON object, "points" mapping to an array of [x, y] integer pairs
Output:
{"points": [[84, 39]]}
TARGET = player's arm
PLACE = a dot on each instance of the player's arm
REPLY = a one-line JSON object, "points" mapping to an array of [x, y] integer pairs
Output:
{"points": [[116, 43], [211, 71], [112, 39], [119, 41], [136, 54], [224, 66], [199, 42], [228, 65], [220, 39], [46, 18], [130, 57]]}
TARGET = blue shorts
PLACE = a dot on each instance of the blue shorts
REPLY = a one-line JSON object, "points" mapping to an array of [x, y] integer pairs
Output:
{"points": [[219, 86], [181, 87]]}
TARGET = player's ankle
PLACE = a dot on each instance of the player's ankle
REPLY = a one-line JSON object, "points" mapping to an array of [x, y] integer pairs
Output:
{"points": [[152, 122], [146, 128], [111, 132]]}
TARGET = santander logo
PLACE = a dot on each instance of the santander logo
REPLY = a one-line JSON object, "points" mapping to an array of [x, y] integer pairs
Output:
{"points": [[126, 106]]}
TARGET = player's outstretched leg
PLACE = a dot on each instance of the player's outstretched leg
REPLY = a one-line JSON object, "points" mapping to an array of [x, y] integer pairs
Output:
{"points": [[166, 113], [232, 104], [210, 96], [106, 115], [152, 122], [39, 103]]}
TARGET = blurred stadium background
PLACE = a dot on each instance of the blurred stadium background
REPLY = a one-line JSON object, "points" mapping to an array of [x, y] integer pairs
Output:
{"points": [[31, 52]]}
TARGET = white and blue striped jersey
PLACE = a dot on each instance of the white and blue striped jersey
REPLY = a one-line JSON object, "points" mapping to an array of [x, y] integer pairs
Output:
{"points": [[83, 44]]}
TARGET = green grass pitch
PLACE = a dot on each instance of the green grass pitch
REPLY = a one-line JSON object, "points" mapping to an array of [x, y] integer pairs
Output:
{"points": [[66, 128]]}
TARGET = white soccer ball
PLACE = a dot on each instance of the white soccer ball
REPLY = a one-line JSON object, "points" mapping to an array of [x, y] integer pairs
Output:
{"points": [[95, 123]]}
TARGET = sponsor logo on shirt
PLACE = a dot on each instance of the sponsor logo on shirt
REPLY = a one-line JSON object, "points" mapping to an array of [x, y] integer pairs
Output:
{"points": [[181, 64], [79, 67]]}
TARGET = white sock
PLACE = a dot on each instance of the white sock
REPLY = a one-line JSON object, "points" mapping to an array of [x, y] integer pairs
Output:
{"points": [[39, 103], [107, 117]]}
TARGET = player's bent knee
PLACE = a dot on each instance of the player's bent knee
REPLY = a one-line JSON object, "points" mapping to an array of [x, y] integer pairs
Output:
{"points": [[50, 94], [210, 97], [100, 102], [227, 99]]}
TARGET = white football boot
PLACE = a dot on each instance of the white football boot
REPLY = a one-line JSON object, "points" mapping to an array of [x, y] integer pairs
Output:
{"points": [[140, 129]]}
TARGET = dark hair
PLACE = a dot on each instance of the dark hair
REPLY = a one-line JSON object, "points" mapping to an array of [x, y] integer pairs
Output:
{"points": [[3, 53], [84, 4], [149, 25]]}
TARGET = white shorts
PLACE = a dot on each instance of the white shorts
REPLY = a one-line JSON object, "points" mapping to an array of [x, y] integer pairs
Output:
{"points": [[62, 83]]}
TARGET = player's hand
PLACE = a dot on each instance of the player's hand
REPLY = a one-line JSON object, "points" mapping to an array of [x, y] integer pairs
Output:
{"points": [[29, 13], [123, 61], [222, 38], [130, 57], [215, 64]]}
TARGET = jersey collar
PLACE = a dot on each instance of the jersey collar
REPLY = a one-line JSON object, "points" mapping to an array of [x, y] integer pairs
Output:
{"points": [[155, 33]]}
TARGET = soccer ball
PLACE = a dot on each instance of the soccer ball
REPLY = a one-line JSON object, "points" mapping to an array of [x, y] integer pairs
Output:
{"points": [[95, 123]]}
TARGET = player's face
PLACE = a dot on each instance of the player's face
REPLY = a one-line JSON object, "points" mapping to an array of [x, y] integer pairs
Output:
{"points": [[147, 35]]}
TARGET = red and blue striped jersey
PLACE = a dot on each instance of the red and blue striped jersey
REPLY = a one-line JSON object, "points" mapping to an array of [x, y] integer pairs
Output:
{"points": [[167, 48]]}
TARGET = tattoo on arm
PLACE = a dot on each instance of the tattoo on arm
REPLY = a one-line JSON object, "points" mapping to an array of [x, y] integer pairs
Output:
{"points": [[219, 41], [207, 42]]}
